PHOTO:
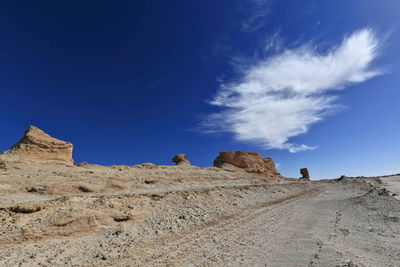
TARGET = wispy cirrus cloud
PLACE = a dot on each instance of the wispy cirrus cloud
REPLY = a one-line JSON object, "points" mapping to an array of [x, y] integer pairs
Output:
{"points": [[282, 96], [257, 15]]}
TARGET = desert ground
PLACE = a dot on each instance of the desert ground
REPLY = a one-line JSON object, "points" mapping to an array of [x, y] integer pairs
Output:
{"points": [[92, 215], [240, 213]]}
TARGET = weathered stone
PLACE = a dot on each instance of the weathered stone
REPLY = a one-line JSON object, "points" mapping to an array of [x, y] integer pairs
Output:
{"points": [[248, 161], [122, 217], [37, 146], [384, 192], [40, 189], [180, 159], [26, 209], [304, 173]]}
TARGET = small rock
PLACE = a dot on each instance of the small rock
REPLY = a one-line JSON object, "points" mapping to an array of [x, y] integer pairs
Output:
{"points": [[40, 189], [85, 189], [25, 209], [122, 217], [345, 231], [83, 164], [384, 192]]}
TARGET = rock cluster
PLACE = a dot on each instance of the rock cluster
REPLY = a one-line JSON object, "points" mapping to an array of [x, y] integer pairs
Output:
{"points": [[37, 146], [180, 159], [248, 161]]}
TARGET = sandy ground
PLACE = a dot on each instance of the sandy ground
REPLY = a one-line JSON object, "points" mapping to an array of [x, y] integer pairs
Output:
{"points": [[392, 183], [187, 216]]}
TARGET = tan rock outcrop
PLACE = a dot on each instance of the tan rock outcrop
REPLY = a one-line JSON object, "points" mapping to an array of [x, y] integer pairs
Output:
{"points": [[249, 161], [37, 146], [180, 159]]}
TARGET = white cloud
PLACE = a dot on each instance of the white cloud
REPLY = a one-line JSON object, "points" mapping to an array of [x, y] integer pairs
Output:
{"points": [[282, 96]]}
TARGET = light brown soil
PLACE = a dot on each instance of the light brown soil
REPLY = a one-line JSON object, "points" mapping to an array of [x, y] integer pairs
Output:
{"points": [[53, 215]]}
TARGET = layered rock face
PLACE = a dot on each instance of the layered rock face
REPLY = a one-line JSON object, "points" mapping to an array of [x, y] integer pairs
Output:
{"points": [[37, 146], [180, 159], [249, 161]]}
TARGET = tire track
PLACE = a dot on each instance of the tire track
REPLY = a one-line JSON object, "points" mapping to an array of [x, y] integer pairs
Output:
{"points": [[196, 236]]}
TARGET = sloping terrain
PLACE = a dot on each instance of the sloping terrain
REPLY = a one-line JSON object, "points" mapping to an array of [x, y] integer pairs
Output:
{"points": [[92, 215]]}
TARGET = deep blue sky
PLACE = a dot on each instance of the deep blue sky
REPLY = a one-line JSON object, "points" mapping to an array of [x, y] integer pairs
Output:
{"points": [[127, 82]]}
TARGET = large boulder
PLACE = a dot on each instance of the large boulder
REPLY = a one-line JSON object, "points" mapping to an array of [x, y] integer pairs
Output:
{"points": [[180, 159], [248, 161], [37, 146]]}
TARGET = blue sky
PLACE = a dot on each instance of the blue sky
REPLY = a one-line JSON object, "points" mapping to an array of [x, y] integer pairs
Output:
{"points": [[129, 82]]}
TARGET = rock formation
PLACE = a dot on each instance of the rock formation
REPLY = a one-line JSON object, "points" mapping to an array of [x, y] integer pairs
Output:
{"points": [[341, 178], [304, 173], [248, 161], [180, 159], [37, 146]]}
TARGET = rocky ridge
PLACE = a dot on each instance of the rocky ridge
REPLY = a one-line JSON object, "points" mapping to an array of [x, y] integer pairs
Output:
{"points": [[39, 147]]}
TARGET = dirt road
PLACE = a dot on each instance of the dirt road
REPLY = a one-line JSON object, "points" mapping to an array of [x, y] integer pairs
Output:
{"points": [[332, 224]]}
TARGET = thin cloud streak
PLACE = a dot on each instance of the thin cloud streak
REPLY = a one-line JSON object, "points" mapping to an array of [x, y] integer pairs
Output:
{"points": [[282, 96], [258, 13]]}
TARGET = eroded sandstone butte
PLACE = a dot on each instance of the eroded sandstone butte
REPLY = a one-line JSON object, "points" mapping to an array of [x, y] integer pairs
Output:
{"points": [[248, 161], [37, 146]]}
